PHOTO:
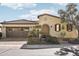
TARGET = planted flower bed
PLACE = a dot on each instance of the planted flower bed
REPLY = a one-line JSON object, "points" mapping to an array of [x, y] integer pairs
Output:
{"points": [[43, 40]]}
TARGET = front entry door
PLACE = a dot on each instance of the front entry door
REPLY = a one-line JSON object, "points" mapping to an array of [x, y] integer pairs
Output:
{"points": [[45, 29]]}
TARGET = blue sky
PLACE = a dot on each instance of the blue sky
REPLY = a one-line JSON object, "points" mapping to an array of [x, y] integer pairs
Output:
{"points": [[29, 11]]}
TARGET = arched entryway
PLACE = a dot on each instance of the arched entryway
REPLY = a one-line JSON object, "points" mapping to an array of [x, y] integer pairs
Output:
{"points": [[45, 29]]}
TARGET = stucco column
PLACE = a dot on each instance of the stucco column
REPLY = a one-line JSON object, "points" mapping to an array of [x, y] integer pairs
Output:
{"points": [[30, 28], [3, 32]]}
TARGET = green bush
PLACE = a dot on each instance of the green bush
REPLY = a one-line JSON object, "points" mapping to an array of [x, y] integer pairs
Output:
{"points": [[48, 40], [52, 40], [33, 40], [34, 33]]}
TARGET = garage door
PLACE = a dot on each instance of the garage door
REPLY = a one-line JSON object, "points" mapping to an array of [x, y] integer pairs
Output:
{"points": [[16, 32]]}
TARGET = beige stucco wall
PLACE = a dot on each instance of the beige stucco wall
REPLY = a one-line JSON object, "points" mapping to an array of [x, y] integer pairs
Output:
{"points": [[3, 32], [0, 27], [18, 25], [51, 21]]}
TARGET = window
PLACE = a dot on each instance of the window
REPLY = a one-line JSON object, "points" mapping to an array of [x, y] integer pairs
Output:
{"points": [[57, 27], [69, 27]]}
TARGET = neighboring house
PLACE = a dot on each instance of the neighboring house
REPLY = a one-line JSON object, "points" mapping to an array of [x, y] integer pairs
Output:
{"points": [[50, 25]]}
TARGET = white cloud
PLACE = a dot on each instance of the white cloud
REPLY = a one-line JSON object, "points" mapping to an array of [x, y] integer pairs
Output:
{"points": [[34, 13], [62, 4], [18, 5]]}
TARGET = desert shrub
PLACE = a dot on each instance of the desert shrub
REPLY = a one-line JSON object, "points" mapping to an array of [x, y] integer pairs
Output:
{"points": [[34, 33], [34, 40], [65, 39], [47, 40], [52, 40], [74, 41]]}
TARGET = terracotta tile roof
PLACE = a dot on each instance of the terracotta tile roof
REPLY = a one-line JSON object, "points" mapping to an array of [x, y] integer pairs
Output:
{"points": [[22, 21], [48, 15]]}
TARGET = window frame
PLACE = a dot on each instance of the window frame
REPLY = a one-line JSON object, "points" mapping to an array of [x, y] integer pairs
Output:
{"points": [[69, 27], [57, 27]]}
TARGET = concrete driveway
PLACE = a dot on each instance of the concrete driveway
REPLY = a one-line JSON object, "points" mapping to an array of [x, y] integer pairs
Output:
{"points": [[27, 52], [11, 44], [12, 48], [16, 51], [7, 46]]}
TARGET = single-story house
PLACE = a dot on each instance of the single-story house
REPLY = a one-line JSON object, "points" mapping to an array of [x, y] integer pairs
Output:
{"points": [[50, 25], [17, 28]]}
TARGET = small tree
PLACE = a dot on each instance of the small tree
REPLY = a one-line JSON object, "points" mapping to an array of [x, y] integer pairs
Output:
{"points": [[70, 15]]}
